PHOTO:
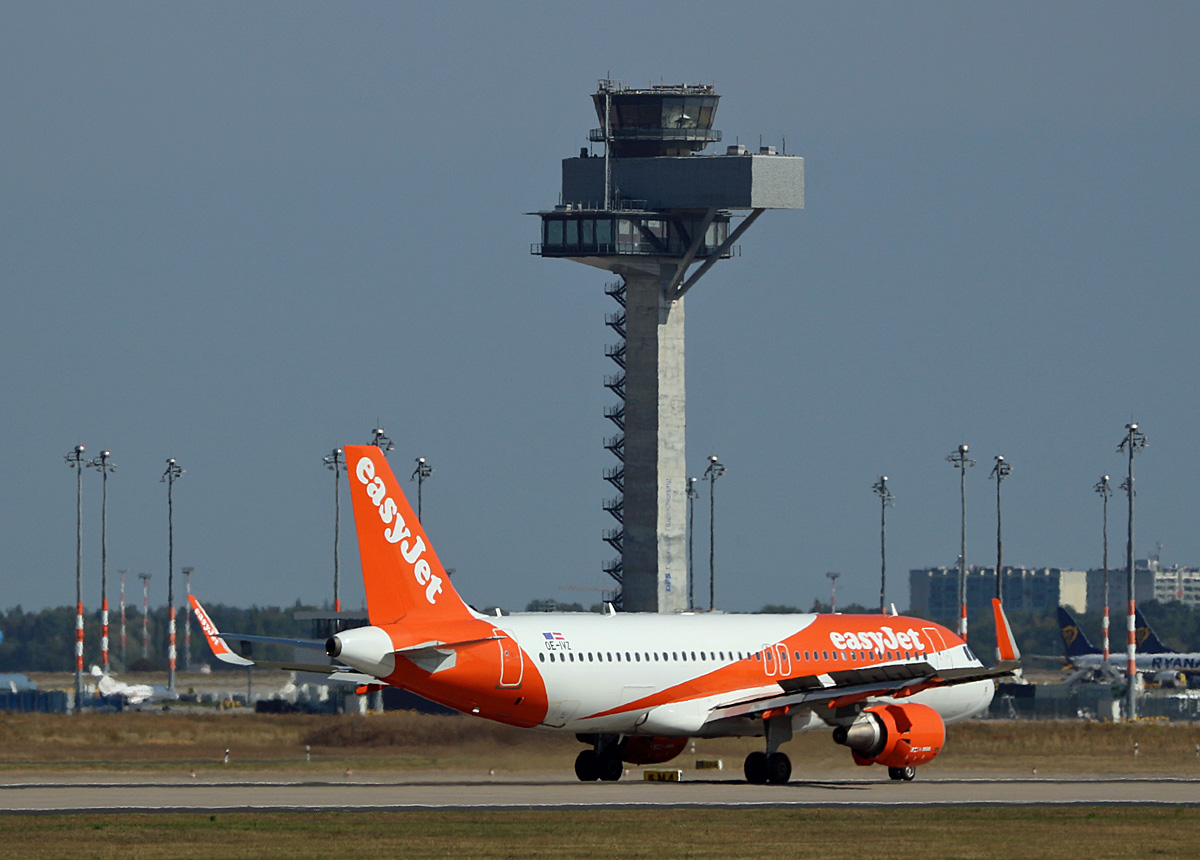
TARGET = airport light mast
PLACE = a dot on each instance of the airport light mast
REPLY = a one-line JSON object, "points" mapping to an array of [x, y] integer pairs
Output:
{"points": [[692, 495], [75, 461], [104, 466], [1134, 441], [145, 578], [715, 470], [961, 461], [169, 476], [1104, 490], [1000, 471], [648, 210], [886, 500], [423, 471], [334, 461]]}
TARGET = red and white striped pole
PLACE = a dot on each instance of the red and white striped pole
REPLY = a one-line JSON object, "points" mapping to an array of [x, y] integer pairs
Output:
{"points": [[1104, 625], [75, 461], [122, 619], [1134, 440], [172, 472]]}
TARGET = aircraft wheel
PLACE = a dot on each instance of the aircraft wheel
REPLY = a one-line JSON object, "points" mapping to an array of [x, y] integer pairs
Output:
{"points": [[611, 768], [756, 768], [779, 768], [587, 766], [908, 774]]}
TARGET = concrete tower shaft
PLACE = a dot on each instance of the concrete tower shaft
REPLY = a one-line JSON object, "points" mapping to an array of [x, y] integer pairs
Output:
{"points": [[655, 537], [648, 210]]}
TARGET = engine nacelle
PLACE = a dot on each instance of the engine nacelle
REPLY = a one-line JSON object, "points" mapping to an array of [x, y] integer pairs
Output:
{"points": [[894, 735], [640, 749]]}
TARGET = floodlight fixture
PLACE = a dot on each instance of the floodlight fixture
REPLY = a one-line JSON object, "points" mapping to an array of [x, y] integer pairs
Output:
{"points": [[423, 471]]}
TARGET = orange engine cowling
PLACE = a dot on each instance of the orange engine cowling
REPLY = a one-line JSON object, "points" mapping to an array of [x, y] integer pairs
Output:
{"points": [[648, 750], [894, 735]]}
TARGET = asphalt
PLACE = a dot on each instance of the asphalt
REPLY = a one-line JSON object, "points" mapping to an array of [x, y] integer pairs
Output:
{"points": [[32, 794]]}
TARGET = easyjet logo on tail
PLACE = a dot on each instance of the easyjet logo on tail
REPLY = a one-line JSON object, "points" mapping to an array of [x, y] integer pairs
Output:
{"points": [[882, 640], [398, 532]]}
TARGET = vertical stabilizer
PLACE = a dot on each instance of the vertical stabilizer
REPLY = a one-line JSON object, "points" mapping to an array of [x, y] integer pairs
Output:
{"points": [[1147, 640], [1076, 643], [401, 573]]}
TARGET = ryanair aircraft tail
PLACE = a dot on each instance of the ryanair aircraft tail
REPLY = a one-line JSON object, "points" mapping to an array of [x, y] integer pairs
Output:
{"points": [[401, 572], [1147, 640], [1076, 643]]}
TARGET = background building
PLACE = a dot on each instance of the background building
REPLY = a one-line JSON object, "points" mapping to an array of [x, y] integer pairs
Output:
{"points": [[933, 591]]}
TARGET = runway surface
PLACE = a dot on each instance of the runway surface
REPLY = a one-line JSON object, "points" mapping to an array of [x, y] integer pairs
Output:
{"points": [[33, 794]]}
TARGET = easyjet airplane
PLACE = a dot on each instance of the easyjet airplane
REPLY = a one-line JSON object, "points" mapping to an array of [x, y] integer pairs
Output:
{"points": [[636, 687]]}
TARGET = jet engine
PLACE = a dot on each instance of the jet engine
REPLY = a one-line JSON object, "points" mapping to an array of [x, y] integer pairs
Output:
{"points": [[894, 735], [640, 749]]}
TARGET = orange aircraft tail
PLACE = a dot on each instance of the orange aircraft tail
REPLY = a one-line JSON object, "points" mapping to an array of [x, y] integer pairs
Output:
{"points": [[401, 572]]}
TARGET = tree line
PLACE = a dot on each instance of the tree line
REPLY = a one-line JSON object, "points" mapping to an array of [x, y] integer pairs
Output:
{"points": [[44, 640]]}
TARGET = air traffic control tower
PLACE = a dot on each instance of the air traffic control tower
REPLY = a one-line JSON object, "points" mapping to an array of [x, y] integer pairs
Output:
{"points": [[649, 209]]}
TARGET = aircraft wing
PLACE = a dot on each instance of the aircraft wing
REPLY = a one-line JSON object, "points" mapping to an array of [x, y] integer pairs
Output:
{"points": [[895, 680]]}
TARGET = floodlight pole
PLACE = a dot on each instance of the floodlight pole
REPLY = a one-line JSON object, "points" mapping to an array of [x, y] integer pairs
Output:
{"points": [[692, 495], [833, 578], [172, 472], [885, 500], [145, 578], [334, 462], [715, 470], [187, 620], [1000, 471], [104, 466], [961, 461], [1105, 491], [423, 471], [123, 664], [75, 461], [1134, 441]]}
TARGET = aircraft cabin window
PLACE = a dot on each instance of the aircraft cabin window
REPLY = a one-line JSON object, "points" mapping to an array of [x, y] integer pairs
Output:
{"points": [[693, 655], [551, 657], [542, 658], [627, 657], [571, 654], [825, 655], [701, 655], [835, 655], [674, 655], [758, 656]]}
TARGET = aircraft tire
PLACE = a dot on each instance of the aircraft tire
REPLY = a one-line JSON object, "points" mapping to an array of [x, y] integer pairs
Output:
{"points": [[908, 774], [611, 768], [779, 768], [756, 768], [587, 766]]}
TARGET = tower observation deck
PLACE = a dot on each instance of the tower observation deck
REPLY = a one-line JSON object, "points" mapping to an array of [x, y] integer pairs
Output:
{"points": [[648, 210]]}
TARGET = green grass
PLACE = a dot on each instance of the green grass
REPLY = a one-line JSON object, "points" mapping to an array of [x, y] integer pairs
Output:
{"points": [[921, 834]]}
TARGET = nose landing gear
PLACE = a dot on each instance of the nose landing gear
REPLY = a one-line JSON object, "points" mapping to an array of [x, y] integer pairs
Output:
{"points": [[908, 774]]}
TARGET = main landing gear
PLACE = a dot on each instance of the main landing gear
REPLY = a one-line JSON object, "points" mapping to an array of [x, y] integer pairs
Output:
{"points": [[775, 768], [591, 766], [603, 761]]}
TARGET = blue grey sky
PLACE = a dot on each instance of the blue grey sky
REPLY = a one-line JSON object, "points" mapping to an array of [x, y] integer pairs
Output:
{"points": [[241, 234]]}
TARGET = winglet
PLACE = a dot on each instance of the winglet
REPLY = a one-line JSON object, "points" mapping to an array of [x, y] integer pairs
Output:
{"points": [[220, 650], [1006, 645]]}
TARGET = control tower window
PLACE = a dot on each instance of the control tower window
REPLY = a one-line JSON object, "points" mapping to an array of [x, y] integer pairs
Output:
{"points": [[572, 232], [604, 232], [554, 232], [589, 231]]}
